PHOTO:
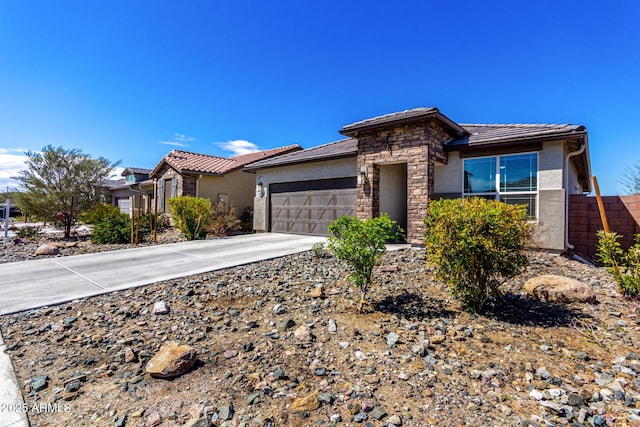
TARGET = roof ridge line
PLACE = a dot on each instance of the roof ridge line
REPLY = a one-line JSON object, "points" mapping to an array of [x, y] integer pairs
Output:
{"points": [[516, 124]]}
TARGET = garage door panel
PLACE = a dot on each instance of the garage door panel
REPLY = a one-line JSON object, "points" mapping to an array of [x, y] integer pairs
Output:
{"points": [[310, 212]]}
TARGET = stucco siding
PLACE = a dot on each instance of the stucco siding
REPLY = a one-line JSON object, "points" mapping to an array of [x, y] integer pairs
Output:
{"points": [[550, 161], [549, 229], [448, 178], [238, 185], [393, 192]]}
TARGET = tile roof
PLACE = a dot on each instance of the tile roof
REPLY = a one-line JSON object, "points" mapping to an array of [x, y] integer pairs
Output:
{"points": [[481, 134], [407, 116], [342, 148], [185, 161]]}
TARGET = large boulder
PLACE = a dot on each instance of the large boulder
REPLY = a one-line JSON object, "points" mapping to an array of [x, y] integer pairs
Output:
{"points": [[560, 289], [48, 249], [172, 360]]}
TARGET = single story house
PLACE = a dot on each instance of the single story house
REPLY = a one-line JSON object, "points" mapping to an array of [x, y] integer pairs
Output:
{"points": [[123, 191], [396, 163], [219, 179]]}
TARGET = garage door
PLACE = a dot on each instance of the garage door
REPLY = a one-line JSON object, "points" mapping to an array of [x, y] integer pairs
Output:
{"points": [[124, 204], [309, 207]]}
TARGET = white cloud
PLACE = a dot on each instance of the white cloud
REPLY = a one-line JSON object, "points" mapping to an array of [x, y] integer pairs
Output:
{"points": [[174, 143], [238, 146], [12, 161], [116, 173], [178, 140], [183, 138]]}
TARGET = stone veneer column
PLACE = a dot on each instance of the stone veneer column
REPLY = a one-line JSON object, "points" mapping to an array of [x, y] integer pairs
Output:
{"points": [[419, 145]]}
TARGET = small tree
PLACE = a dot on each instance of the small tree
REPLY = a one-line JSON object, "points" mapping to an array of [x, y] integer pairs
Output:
{"points": [[475, 245], [624, 266], [631, 179], [361, 243], [59, 184], [191, 215]]}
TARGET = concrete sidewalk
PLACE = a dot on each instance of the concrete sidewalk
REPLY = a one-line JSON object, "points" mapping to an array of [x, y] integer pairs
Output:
{"points": [[31, 284]]}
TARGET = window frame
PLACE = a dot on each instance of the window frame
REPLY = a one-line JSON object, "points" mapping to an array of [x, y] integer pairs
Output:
{"points": [[497, 194]]}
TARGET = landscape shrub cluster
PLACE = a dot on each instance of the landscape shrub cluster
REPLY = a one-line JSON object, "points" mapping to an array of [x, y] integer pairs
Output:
{"points": [[195, 217], [623, 265], [361, 243], [475, 244], [109, 224]]}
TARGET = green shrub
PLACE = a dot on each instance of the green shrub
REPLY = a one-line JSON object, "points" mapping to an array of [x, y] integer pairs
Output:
{"points": [[191, 215], [112, 228], [99, 213], [361, 243], [224, 219], [318, 249], [475, 245], [28, 232], [624, 266]]}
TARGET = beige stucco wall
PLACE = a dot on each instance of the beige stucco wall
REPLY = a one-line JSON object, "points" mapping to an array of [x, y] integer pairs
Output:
{"points": [[335, 168], [393, 192], [448, 178], [238, 185]]}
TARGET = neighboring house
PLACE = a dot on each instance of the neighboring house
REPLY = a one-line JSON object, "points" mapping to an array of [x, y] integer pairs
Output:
{"points": [[397, 162], [181, 173], [124, 192]]}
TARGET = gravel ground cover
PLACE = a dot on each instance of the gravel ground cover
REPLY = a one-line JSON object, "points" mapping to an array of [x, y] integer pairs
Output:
{"points": [[15, 249], [275, 350]]}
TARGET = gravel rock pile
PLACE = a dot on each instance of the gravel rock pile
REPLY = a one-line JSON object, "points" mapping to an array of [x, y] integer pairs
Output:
{"points": [[280, 343]]}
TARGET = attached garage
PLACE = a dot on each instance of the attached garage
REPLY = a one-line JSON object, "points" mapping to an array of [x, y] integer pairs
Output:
{"points": [[308, 207], [303, 192]]}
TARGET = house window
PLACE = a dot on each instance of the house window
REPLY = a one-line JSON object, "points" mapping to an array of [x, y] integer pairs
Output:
{"points": [[131, 178], [512, 179]]}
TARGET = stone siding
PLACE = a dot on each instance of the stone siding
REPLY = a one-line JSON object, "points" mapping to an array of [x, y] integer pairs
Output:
{"points": [[418, 145]]}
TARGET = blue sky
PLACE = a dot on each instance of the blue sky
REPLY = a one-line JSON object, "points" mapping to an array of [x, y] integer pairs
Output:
{"points": [[132, 80]]}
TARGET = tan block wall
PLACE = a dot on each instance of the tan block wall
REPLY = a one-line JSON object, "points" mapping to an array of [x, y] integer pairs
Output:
{"points": [[419, 145]]}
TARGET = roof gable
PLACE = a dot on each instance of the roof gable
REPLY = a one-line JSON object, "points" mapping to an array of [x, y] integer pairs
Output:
{"points": [[133, 170], [400, 118], [188, 162]]}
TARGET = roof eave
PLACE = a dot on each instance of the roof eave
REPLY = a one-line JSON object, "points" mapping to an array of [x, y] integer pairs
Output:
{"points": [[252, 168], [517, 140]]}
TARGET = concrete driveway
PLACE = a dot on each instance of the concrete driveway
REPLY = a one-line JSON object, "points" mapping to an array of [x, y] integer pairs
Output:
{"points": [[31, 284]]}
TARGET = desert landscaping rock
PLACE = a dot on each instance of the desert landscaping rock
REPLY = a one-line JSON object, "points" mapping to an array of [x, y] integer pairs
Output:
{"points": [[306, 403], [553, 288], [524, 362], [161, 307], [172, 360], [47, 249]]}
